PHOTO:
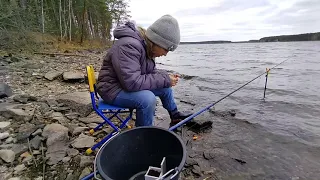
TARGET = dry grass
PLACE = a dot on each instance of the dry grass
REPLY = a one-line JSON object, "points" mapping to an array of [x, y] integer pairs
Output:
{"points": [[38, 42]]}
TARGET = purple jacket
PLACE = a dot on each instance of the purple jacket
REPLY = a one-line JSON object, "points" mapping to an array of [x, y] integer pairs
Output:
{"points": [[126, 66]]}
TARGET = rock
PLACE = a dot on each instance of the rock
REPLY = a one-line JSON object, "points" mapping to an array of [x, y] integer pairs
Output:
{"points": [[32, 66], [36, 152], [56, 152], [60, 118], [24, 98], [86, 160], [4, 135], [37, 132], [86, 171], [60, 109], [72, 116], [51, 75], [71, 127], [232, 113], [18, 112], [78, 130], [52, 102], [6, 176], [5, 90], [10, 140], [70, 177], [66, 159], [79, 102], [25, 131], [39, 178], [4, 124], [7, 155], [91, 119], [72, 152], [190, 162], [43, 107], [35, 142], [83, 141], [196, 170], [6, 146], [18, 169], [15, 59], [73, 76], [15, 178], [18, 149], [57, 142], [3, 169], [208, 155], [92, 125], [55, 132]]}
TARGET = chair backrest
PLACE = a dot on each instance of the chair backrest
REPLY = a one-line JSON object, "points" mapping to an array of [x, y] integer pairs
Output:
{"points": [[91, 78], [92, 83]]}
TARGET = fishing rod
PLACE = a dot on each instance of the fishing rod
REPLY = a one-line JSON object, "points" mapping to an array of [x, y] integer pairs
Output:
{"points": [[211, 105]]}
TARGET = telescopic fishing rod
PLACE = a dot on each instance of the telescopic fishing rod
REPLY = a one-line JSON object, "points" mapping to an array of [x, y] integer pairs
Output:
{"points": [[211, 105]]}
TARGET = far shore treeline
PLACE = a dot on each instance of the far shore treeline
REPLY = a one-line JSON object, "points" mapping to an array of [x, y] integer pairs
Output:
{"points": [[282, 38]]}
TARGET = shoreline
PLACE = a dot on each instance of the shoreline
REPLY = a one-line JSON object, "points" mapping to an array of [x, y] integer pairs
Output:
{"points": [[233, 149]]}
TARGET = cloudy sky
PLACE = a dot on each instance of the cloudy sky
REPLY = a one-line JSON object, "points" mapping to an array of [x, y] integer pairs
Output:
{"points": [[235, 20]]}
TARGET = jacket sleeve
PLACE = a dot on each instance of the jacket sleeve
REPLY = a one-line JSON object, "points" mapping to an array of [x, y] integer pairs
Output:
{"points": [[126, 63]]}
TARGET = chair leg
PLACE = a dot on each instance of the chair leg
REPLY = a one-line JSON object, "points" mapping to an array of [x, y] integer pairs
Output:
{"points": [[107, 120], [124, 123], [116, 130], [101, 124], [90, 150]]}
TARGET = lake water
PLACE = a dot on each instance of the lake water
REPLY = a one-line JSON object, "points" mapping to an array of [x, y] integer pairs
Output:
{"points": [[292, 103]]}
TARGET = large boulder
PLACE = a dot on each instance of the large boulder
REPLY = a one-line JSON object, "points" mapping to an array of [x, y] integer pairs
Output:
{"points": [[57, 142], [5, 90], [79, 102]]}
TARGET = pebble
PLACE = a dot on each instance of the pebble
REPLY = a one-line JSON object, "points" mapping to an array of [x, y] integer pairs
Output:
{"points": [[9, 140], [36, 142], [72, 152], [66, 159], [4, 124], [37, 132], [18, 169], [86, 160], [86, 171], [4, 135], [92, 125], [15, 178], [78, 130]]}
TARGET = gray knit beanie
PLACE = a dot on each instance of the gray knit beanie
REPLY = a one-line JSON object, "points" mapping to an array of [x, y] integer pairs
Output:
{"points": [[165, 32]]}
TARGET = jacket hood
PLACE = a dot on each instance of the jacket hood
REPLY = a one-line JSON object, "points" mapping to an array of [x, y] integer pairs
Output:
{"points": [[127, 30]]}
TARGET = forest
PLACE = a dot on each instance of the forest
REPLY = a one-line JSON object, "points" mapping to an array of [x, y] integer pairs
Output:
{"points": [[25, 22]]}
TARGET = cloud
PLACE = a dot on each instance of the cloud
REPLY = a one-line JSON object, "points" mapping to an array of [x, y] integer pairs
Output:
{"points": [[234, 20]]}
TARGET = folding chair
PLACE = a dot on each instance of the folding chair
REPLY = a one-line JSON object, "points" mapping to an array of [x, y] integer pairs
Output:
{"points": [[102, 109]]}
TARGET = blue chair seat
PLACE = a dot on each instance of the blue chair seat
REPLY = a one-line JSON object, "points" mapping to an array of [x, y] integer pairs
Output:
{"points": [[103, 106]]}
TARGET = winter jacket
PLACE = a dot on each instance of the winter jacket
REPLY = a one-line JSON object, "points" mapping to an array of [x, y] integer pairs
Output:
{"points": [[126, 66]]}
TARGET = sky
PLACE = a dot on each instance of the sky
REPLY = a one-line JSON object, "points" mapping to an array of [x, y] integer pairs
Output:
{"points": [[233, 20]]}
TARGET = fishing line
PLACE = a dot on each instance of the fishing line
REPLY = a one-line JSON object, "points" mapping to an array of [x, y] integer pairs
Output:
{"points": [[211, 105]]}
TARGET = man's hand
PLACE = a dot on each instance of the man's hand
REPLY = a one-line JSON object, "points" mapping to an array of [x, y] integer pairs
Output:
{"points": [[174, 79]]}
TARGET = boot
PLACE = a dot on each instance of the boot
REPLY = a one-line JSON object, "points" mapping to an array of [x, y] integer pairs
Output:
{"points": [[177, 117]]}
